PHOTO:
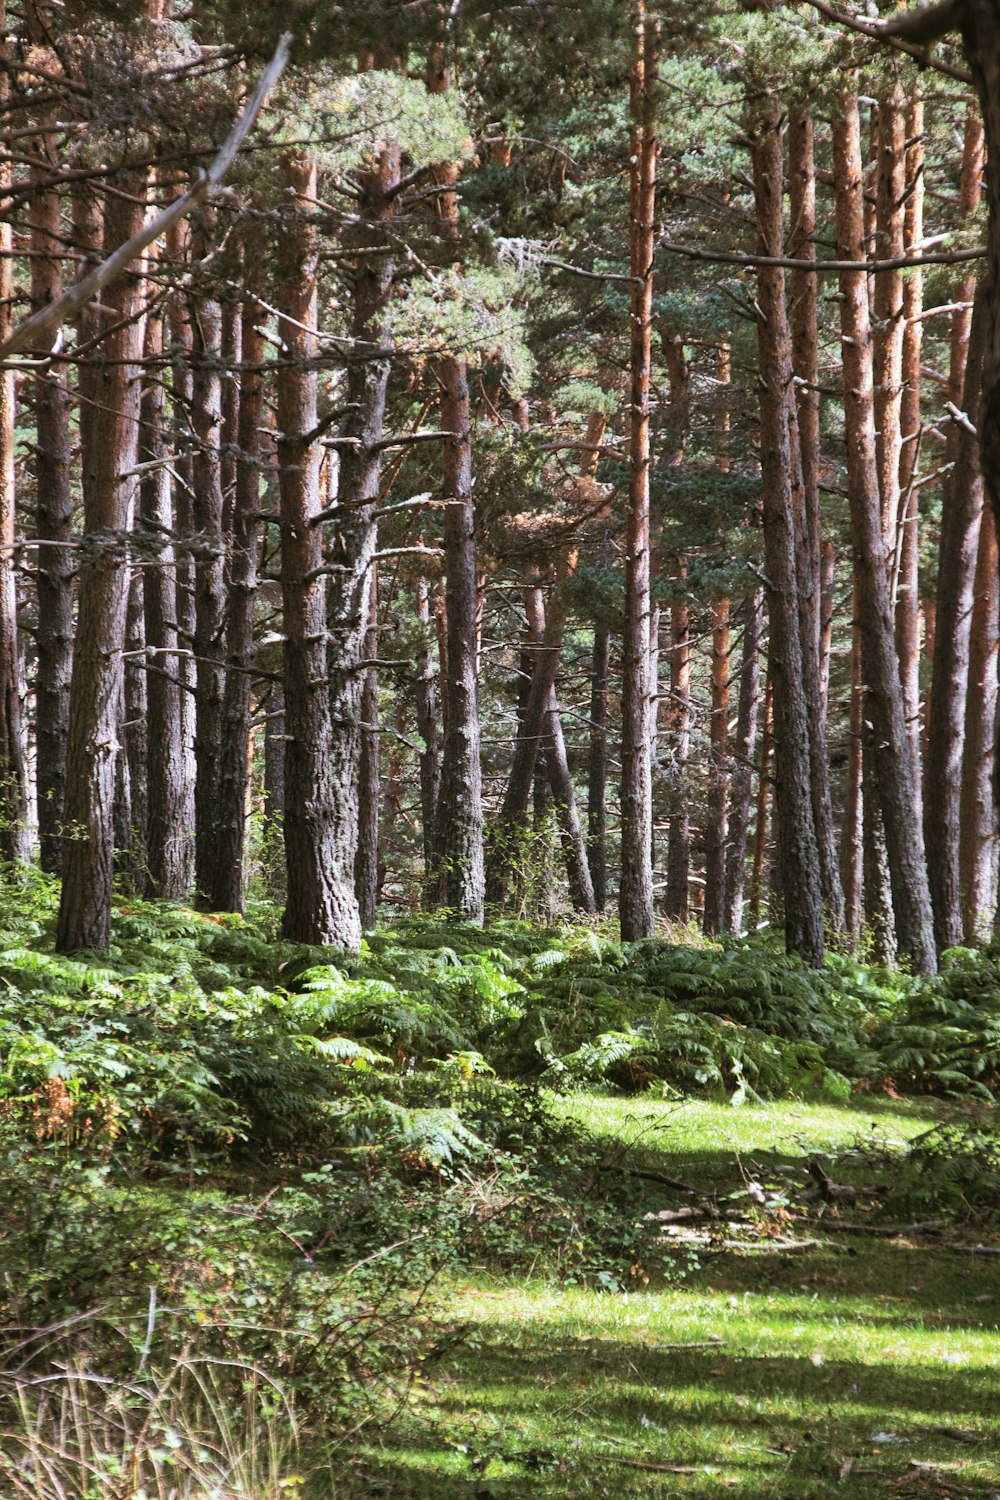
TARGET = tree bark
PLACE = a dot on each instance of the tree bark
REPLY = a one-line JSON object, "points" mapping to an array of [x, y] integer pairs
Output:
{"points": [[716, 828], [54, 524], [93, 744], [320, 906], [760, 822], [366, 859], [679, 726], [597, 766], [800, 855], [430, 769], [908, 545], [168, 830], [978, 811], [635, 897], [574, 844], [851, 837], [741, 775], [880, 663], [245, 403]]}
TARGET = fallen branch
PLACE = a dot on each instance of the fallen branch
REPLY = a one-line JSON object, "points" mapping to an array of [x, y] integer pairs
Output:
{"points": [[34, 329]]}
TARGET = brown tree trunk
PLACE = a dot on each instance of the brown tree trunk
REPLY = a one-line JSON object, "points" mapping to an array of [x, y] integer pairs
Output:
{"points": [[800, 855], [597, 770], [978, 814], [635, 899], [131, 855], [851, 849], [888, 325], [581, 890], [460, 803], [95, 694], [210, 577], [366, 859], [744, 747], [430, 769], [14, 837], [908, 545], [168, 832], [54, 524], [320, 906], [880, 663], [245, 403], [679, 726], [760, 823], [716, 829]]}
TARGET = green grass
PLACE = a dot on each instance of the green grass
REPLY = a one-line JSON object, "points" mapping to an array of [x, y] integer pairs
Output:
{"points": [[865, 1370]]}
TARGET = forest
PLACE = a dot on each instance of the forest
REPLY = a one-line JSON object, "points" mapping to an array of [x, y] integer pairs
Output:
{"points": [[499, 795]]}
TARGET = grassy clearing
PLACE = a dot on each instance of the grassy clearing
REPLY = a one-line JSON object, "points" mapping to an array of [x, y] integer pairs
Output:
{"points": [[864, 1370]]}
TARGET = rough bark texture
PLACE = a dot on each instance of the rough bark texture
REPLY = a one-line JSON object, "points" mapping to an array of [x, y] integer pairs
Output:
{"points": [[210, 582], [760, 823], [743, 750], [245, 405], [54, 524], [679, 742], [978, 820], [597, 765], [366, 859], [908, 540], [14, 843], [425, 699], [320, 905], [574, 844], [880, 663], [168, 833], [96, 691], [131, 854], [716, 827], [851, 870], [800, 857], [635, 896]]}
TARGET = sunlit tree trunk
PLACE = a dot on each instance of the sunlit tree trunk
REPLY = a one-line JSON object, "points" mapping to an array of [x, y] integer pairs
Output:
{"points": [[978, 819], [880, 663], [743, 749]]}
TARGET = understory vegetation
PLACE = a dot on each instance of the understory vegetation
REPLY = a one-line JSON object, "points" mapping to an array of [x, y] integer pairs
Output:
{"points": [[249, 1196]]}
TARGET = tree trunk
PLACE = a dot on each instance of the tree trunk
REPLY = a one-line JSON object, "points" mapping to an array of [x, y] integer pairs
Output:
{"points": [[320, 906], [430, 768], [978, 813], [679, 726], [714, 912], [908, 545], [760, 823], [54, 524], [741, 776], [210, 581], [131, 855], [245, 403], [635, 900], [366, 859], [800, 855], [581, 890], [95, 693], [880, 663], [14, 835], [168, 832], [851, 837], [597, 769]]}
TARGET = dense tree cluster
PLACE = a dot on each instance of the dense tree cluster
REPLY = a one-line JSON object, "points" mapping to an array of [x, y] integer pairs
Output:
{"points": [[567, 441]]}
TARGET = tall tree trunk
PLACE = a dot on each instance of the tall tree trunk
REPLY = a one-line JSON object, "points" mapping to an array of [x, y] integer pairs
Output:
{"points": [[366, 859], [597, 768], [978, 816], [635, 898], [908, 546], [135, 738], [741, 776], [800, 855], [210, 577], [430, 767], [95, 693], [460, 803], [888, 324], [880, 663], [245, 403], [679, 724], [14, 836], [320, 906], [851, 847], [581, 890], [168, 832], [760, 823], [54, 524], [714, 912], [352, 591]]}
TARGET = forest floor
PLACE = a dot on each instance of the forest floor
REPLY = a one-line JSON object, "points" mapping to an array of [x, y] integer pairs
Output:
{"points": [[867, 1365]]}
